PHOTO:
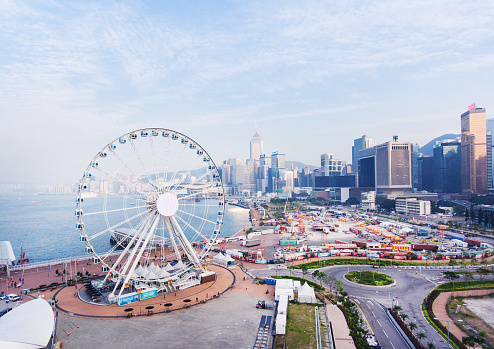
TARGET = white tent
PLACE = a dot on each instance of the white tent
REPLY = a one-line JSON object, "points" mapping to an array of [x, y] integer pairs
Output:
{"points": [[283, 291], [139, 270], [27, 326], [7, 256], [224, 260], [281, 324], [306, 294], [168, 267], [179, 265]]}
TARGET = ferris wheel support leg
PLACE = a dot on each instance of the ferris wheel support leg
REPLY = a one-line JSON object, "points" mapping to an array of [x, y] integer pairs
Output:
{"points": [[140, 234], [187, 247], [171, 231], [126, 250], [150, 233]]}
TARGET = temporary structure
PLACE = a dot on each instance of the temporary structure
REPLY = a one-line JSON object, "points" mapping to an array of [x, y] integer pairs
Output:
{"points": [[306, 294], [281, 324], [27, 326], [224, 260]]}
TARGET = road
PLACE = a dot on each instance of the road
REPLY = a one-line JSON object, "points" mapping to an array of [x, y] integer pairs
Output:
{"points": [[411, 288]]}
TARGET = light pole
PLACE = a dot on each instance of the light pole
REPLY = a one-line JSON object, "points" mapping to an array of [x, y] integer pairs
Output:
{"points": [[448, 321]]}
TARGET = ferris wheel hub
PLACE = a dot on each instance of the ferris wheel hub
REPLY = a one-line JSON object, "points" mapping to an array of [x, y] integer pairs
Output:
{"points": [[167, 204]]}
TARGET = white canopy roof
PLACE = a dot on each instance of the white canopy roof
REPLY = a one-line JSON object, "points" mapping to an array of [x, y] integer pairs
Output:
{"points": [[6, 253], [168, 267], [139, 270], [27, 326]]}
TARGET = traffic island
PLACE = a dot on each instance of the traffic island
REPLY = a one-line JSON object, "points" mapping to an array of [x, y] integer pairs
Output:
{"points": [[369, 278]]}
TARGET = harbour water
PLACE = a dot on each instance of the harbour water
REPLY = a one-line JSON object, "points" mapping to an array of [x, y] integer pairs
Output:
{"points": [[45, 225]]}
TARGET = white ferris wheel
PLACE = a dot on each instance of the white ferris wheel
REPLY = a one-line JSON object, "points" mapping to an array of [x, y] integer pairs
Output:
{"points": [[149, 207]]}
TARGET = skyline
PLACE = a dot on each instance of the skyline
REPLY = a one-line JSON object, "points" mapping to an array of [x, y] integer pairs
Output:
{"points": [[313, 76]]}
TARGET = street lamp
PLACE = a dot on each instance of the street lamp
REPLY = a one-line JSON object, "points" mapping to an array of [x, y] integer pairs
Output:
{"points": [[448, 321]]}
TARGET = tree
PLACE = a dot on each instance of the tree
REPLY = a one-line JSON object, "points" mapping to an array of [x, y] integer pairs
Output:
{"points": [[468, 340], [431, 345], [421, 335], [483, 272], [403, 316], [412, 325], [397, 308], [304, 269], [352, 201]]}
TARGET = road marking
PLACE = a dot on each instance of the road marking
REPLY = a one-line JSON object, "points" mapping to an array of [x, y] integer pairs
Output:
{"points": [[392, 345], [373, 313], [385, 333], [379, 323]]}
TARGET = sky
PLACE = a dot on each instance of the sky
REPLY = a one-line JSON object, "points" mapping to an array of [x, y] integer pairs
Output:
{"points": [[313, 76]]}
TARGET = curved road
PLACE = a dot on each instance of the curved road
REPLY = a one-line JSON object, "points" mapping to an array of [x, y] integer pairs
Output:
{"points": [[412, 285]]}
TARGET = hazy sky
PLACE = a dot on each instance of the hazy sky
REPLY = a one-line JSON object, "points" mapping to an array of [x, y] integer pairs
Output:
{"points": [[75, 75]]}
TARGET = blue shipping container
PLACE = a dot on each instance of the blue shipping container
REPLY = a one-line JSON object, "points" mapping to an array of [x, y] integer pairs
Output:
{"points": [[269, 281]]}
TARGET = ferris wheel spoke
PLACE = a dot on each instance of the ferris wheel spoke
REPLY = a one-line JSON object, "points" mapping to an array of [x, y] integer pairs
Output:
{"points": [[126, 166], [124, 196], [202, 176], [191, 227], [113, 178], [192, 195], [154, 159], [92, 237], [187, 173], [141, 162], [116, 210], [198, 217], [178, 165]]}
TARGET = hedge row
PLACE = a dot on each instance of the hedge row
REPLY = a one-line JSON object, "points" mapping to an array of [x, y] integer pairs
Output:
{"points": [[316, 286], [465, 285]]}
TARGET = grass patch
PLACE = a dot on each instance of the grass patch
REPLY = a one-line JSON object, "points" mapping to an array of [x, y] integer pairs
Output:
{"points": [[301, 326], [365, 277]]}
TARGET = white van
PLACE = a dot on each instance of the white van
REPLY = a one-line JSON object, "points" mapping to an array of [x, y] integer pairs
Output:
{"points": [[13, 297]]}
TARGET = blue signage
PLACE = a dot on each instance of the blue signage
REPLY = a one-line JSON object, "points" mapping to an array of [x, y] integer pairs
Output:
{"points": [[148, 294], [128, 298]]}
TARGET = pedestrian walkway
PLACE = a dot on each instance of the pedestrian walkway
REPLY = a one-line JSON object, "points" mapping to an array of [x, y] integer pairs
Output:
{"points": [[341, 332]]}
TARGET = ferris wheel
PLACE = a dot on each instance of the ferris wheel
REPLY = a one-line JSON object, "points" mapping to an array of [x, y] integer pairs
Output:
{"points": [[150, 206]]}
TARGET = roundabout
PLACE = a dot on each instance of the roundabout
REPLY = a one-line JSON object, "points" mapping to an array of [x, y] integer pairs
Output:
{"points": [[370, 278]]}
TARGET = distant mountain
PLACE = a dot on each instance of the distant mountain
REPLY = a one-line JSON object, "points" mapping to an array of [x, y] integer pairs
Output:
{"points": [[427, 148], [298, 164]]}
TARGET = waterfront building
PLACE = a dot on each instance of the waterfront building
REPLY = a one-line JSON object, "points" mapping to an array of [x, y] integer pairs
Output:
{"points": [[474, 151], [359, 144], [367, 168], [426, 173], [413, 207], [331, 166], [368, 200], [490, 152], [447, 161], [415, 165], [393, 168]]}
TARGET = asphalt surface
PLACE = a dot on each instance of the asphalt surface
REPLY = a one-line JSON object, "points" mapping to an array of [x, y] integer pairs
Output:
{"points": [[412, 285]]}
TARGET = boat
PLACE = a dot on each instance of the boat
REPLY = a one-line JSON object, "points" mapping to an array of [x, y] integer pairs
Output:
{"points": [[35, 202], [23, 259]]}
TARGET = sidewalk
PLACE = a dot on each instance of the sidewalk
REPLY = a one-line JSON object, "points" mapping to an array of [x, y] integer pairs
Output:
{"points": [[341, 332], [439, 308]]}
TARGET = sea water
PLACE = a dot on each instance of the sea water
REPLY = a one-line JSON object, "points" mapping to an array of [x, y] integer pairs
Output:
{"points": [[45, 225]]}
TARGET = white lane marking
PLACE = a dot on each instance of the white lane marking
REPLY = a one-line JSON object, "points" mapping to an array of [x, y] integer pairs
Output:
{"points": [[385, 334], [392, 345], [373, 313], [379, 323]]}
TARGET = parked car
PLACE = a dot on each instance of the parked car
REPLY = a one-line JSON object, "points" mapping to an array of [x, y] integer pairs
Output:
{"points": [[2, 297], [13, 297], [5, 311]]}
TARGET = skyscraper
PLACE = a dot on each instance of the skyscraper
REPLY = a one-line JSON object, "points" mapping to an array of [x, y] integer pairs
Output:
{"points": [[256, 146], [331, 166], [393, 167], [358, 144], [473, 151], [490, 152], [447, 161]]}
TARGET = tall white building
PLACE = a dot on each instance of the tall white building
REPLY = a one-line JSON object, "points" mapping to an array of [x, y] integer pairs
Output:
{"points": [[331, 166], [256, 146]]}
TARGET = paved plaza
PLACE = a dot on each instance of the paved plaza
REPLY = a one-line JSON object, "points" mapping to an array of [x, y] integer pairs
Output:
{"points": [[230, 321], [483, 308]]}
